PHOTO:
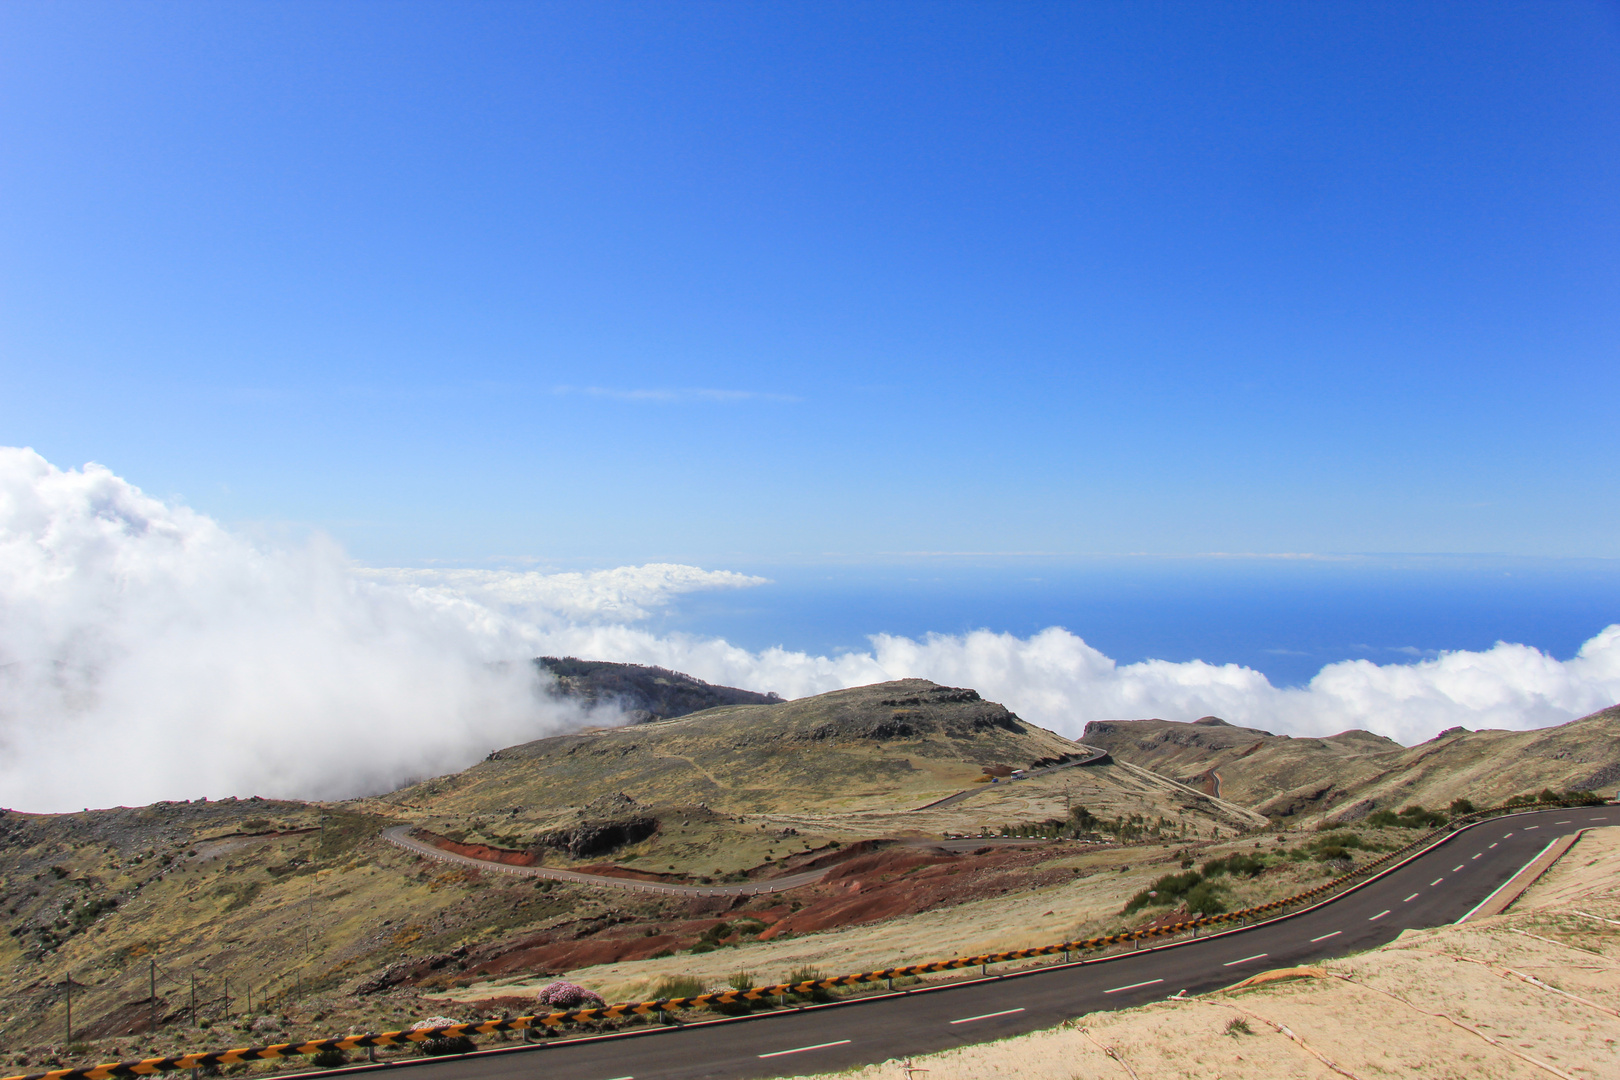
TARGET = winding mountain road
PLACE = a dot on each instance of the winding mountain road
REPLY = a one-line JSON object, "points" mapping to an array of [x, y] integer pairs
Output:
{"points": [[400, 836], [1442, 884]]}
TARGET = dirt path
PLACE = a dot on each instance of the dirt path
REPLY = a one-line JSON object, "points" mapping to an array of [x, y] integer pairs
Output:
{"points": [[953, 799]]}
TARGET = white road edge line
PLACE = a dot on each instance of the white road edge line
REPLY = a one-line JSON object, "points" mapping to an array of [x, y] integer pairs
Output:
{"points": [[1380, 915], [1133, 986], [802, 1049], [1411, 898], [1324, 937], [986, 1016], [1246, 959], [1506, 883]]}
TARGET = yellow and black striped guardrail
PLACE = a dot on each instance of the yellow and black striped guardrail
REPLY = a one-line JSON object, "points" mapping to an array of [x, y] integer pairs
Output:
{"points": [[153, 1066]]}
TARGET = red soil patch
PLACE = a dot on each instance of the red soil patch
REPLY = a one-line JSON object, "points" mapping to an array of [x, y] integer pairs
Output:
{"points": [[476, 851], [896, 882]]}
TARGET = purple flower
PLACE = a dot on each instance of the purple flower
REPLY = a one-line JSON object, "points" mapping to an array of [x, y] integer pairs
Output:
{"points": [[566, 995]]}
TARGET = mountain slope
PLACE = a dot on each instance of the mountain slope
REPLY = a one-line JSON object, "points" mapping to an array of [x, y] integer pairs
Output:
{"points": [[888, 745], [1350, 774]]}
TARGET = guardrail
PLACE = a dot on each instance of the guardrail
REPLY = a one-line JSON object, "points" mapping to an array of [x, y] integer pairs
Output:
{"points": [[152, 1066]]}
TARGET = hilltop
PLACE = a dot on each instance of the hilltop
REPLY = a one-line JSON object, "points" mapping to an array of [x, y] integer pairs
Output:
{"points": [[643, 693], [728, 789], [1345, 777]]}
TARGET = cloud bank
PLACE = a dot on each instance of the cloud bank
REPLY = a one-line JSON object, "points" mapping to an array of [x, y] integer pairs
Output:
{"points": [[148, 653], [625, 593], [1058, 681]]}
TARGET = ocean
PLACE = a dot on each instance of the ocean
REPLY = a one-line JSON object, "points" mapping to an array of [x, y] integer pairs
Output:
{"points": [[1286, 617]]}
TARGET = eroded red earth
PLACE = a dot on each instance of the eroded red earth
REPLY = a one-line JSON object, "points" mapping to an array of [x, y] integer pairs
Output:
{"points": [[867, 885]]}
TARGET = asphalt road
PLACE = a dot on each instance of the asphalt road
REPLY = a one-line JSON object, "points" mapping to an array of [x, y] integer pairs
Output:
{"points": [[400, 836], [1438, 887]]}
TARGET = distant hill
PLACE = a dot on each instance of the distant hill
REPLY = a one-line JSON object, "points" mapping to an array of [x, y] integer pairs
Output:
{"points": [[1346, 776], [893, 743], [732, 788], [644, 693]]}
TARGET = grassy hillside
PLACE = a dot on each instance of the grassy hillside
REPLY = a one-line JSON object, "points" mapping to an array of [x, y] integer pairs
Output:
{"points": [[1349, 775], [729, 789], [890, 745], [304, 907]]}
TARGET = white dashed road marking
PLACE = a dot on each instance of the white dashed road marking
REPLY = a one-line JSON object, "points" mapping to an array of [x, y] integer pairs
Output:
{"points": [[1493, 845], [802, 1049], [1436, 881], [986, 1016], [1324, 937], [1380, 915], [1527, 828], [1133, 986], [1481, 853], [1246, 959], [1563, 823], [1411, 898]]}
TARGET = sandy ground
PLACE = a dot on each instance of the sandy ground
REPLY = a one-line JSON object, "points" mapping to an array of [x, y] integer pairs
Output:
{"points": [[1534, 992]]}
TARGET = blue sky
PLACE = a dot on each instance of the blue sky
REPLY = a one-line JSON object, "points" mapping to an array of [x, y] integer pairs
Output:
{"points": [[752, 284]]}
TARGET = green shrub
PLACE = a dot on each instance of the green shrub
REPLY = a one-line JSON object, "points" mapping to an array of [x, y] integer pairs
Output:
{"points": [[682, 986], [1411, 817], [1239, 865], [740, 980], [1460, 807], [1166, 890], [1205, 898]]}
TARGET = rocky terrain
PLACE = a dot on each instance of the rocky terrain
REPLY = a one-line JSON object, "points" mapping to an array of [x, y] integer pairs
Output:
{"points": [[1350, 775], [643, 693]]}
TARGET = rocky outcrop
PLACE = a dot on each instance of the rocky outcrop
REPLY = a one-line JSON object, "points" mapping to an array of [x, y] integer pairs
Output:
{"points": [[606, 824]]}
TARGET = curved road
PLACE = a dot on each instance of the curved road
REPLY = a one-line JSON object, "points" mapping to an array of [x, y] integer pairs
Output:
{"points": [[1441, 885], [400, 836]]}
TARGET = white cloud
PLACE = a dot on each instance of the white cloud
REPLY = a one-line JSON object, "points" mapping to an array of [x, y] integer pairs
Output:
{"points": [[1055, 679], [623, 593], [148, 653]]}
